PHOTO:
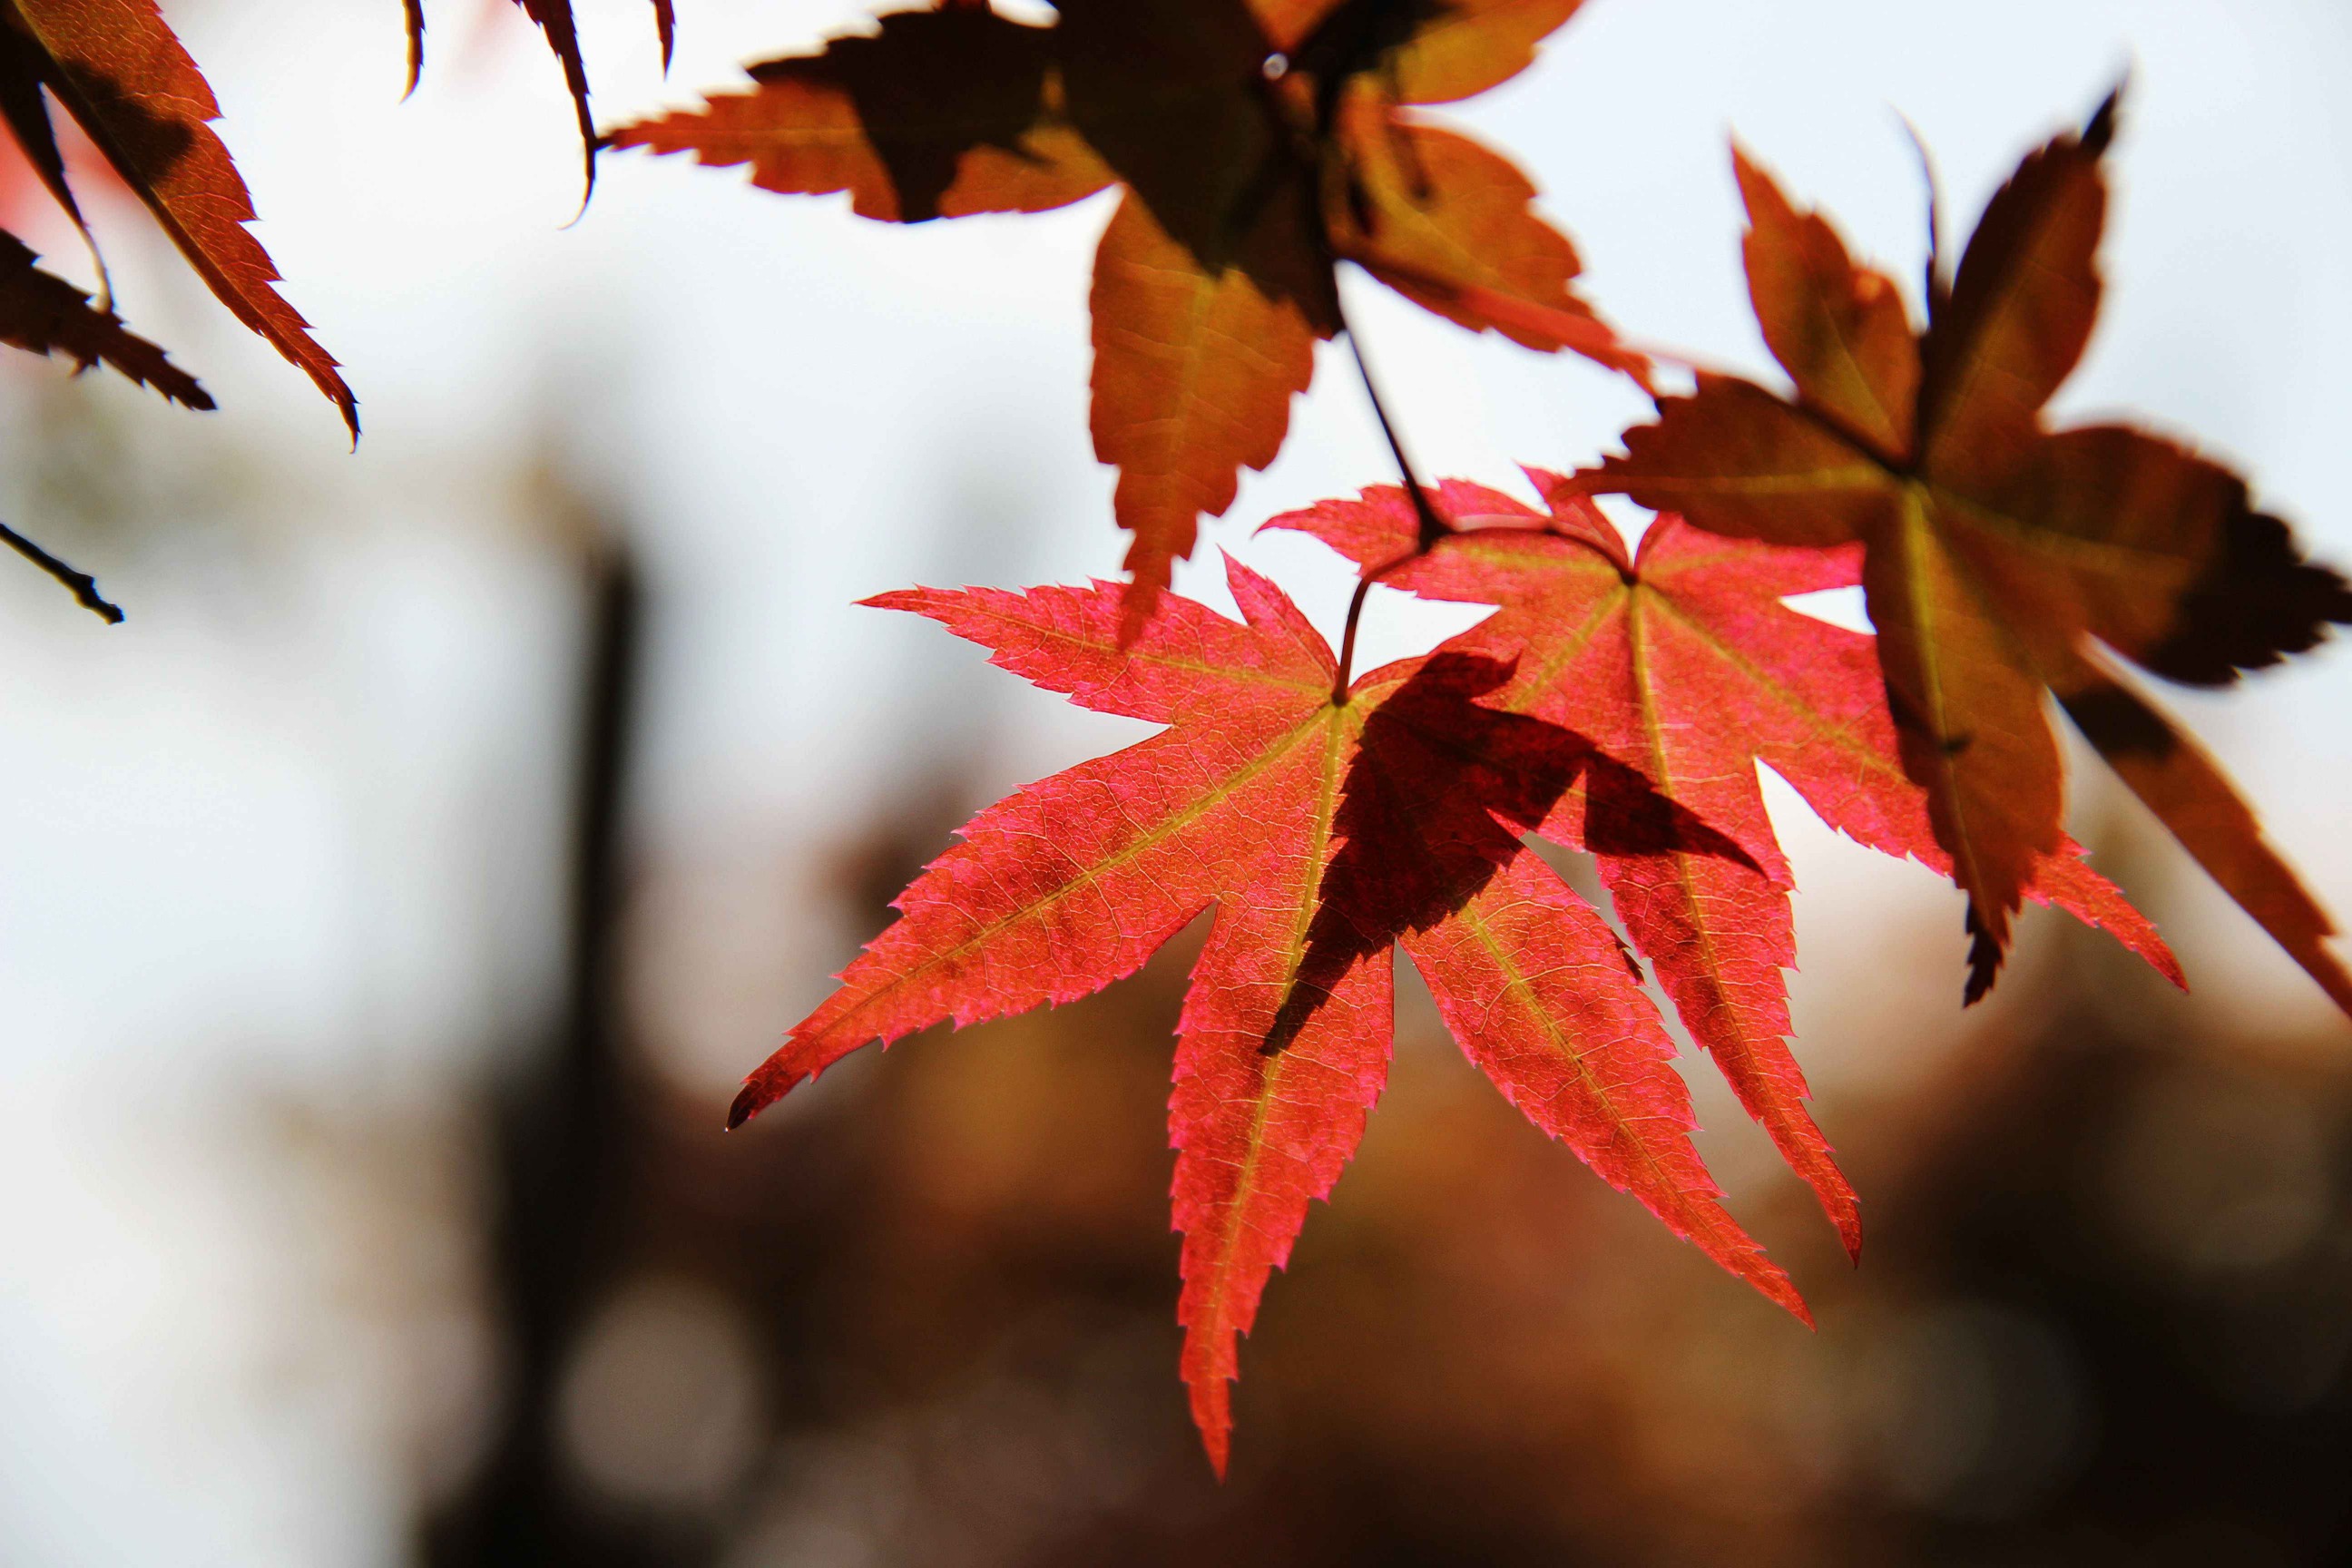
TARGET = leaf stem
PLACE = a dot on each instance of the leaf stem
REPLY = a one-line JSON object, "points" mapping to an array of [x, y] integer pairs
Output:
{"points": [[1432, 527], [1432, 530], [1355, 614], [81, 584]]}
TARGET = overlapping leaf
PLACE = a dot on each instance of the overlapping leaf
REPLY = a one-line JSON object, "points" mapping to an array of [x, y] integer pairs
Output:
{"points": [[1256, 143], [1681, 664], [121, 73], [1323, 833], [2000, 558]]}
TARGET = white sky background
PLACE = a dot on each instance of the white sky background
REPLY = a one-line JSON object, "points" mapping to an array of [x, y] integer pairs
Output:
{"points": [[293, 827]]}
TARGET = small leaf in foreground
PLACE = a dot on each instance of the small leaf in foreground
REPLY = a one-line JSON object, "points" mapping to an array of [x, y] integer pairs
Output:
{"points": [[48, 315], [1256, 144], [1681, 663], [2001, 558], [1323, 833]]}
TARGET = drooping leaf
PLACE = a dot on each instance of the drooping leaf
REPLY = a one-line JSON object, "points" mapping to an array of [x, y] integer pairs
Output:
{"points": [[1257, 142], [119, 71], [555, 22], [1680, 663], [48, 315], [1323, 833], [2001, 558], [413, 18]]}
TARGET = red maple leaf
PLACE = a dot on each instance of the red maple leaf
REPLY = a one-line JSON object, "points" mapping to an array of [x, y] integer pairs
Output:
{"points": [[1681, 664], [123, 75], [1324, 830], [2001, 558], [1256, 141]]}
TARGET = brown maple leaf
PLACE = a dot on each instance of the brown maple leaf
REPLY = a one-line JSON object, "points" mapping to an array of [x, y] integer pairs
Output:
{"points": [[1256, 143], [2002, 558]]}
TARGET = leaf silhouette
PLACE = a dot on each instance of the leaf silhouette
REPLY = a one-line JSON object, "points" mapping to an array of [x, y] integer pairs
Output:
{"points": [[119, 71], [1682, 667], [2000, 558], [1255, 145], [556, 23], [1323, 833], [48, 315]]}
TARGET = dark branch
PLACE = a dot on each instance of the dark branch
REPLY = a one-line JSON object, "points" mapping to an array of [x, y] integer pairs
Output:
{"points": [[80, 585], [1432, 527]]}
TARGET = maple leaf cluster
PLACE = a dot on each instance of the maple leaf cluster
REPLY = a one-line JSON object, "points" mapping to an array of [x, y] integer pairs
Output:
{"points": [[1619, 702], [1256, 144]]}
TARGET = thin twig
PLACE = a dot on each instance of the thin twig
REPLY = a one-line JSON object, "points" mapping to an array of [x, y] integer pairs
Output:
{"points": [[1432, 527], [81, 584]]}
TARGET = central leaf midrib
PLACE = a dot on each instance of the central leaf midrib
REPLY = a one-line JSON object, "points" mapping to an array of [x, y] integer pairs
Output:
{"points": [[1847, 743], [1295, 952], [2097, 554], [1529, 691], [1088, 875], [1662, 775], [1916, 535], [1515, 980]]}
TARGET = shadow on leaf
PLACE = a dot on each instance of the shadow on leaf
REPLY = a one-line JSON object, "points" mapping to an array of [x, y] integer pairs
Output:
{"points": [[1434, 803]]}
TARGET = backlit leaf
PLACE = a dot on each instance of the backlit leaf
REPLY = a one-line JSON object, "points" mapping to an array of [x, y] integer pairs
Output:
{"points": [[1680, 662], [1259, 143], [2001, 558], [1324, 833]]}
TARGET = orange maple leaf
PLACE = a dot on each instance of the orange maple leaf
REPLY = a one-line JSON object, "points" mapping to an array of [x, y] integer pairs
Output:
{"points": [[1256, 141], [2001, 558]]}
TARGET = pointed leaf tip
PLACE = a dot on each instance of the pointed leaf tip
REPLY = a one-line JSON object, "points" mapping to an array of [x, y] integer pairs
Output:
{"points": [[665, 29], [45, 314], [2099, 133], [1984, 961], [747, 1104], [414, 15]]}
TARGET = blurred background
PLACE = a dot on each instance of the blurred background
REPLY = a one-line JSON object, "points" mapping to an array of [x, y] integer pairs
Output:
{"points": [[388, 909]]}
